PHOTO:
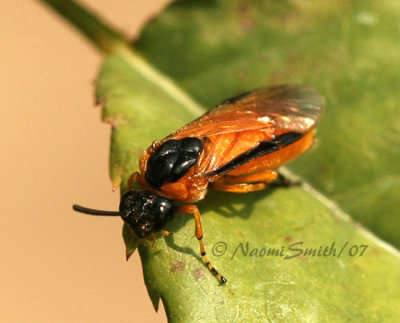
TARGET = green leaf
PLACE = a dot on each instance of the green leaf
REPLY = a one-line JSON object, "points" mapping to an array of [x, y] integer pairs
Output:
{"points": [[348, 49], [289, 254], [131, 243], [362, 284]]}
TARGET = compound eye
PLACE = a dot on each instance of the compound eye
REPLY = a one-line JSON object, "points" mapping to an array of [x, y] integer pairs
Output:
{"points": [[163, 212]]}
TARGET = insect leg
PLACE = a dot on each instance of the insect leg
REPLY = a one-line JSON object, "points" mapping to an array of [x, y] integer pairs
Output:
{"points": [[166, 233], [245, 183], [239, 188], [267, 177], [192, 209], [285, 182], [135, 177]]}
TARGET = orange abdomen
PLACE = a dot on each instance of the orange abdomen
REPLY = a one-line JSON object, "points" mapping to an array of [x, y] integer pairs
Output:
{"points": [[277, 158]]}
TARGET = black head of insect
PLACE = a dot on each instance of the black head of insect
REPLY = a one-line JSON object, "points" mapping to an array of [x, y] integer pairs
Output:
{"points": [[145, 212]]}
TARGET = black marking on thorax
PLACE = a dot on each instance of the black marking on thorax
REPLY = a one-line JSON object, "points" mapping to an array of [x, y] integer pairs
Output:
{"points": [[172, 160], [262, 148]]}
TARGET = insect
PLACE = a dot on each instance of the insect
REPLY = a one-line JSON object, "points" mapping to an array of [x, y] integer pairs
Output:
{"points": [[235, 147]]}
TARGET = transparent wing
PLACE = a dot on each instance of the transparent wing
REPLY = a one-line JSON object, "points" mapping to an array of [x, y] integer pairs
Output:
{"points": [[277, 110]]}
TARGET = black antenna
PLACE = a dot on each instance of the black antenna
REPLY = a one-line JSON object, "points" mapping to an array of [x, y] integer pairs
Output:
{"points": [[82, 209]]}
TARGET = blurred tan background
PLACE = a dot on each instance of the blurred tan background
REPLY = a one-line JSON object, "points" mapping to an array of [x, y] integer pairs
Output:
{"points": [[57, 265]]}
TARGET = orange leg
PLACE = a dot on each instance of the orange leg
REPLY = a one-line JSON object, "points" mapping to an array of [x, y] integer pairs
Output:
{"points": [[192, 209], [166, 233], [267, 177], [239, 188], [135, 177], [245, 183], [153, 237]]}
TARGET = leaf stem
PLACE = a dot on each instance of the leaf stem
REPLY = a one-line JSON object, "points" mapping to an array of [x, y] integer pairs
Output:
{"points": [[102, 35]]}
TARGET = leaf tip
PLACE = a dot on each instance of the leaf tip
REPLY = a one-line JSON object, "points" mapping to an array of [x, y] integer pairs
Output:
{"points": [[155, 299], [130, 240], [115, 182]]}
